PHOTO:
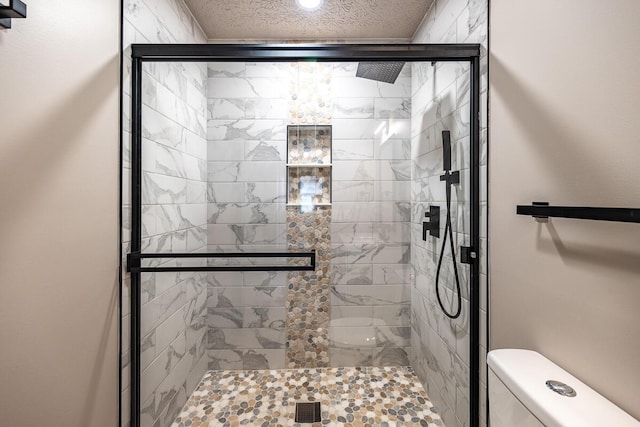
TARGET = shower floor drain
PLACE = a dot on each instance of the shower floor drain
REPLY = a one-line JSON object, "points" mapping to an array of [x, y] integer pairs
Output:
{"points": [[308, 412]]}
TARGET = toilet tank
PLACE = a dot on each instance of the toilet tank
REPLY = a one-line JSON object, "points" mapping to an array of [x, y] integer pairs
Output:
{"points": [[519, 395]]}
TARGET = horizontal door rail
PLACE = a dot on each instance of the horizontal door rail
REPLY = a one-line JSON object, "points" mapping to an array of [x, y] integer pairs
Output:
{"points": [[134, 261], [542, 210], [305, 52]]}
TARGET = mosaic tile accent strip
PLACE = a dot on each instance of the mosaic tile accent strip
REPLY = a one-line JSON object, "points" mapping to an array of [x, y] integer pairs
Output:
{"points": [[309, 293], [350, 397], [310, 99]]}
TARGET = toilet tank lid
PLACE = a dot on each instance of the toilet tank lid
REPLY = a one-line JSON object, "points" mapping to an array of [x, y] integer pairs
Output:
{"points": [[525, 373]]}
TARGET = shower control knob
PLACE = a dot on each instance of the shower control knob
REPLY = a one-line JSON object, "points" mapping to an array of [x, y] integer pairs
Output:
{"points": [[432, 225]]}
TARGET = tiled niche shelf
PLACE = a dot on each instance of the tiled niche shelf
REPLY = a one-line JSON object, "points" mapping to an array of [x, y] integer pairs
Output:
{"points": [[309, 165]]}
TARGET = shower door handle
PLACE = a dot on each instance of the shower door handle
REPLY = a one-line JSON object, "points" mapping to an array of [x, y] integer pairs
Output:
{"points": [[134, 261]]}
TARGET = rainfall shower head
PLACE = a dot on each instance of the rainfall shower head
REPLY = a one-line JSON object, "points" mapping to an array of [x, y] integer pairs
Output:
{"points": [[380, 71]]}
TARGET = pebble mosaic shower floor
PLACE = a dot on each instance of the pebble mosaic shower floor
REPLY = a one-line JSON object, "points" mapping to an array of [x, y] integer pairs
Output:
{"points": [[350, 397]]}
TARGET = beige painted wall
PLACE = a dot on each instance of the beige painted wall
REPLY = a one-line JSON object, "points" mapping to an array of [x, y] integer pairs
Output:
{"points": [[59, 215], [565, 128]]}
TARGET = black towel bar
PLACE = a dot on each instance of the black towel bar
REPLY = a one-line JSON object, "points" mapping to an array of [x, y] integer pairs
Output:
{"points": [[542, 210]]}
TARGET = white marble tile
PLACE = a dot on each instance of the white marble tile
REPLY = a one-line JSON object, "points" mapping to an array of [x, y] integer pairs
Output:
{"points": [[342, 316], [391, 356], [246, 338], [196, 191], [352, 336], [353, 356], [353, 191], [245, 213], [354, 128], [160, 129], [351, 274], [370, 212], [226, 69], [393, 149], [268, 69], [223, 171], [226, 192], [354, 87], [267, 129], [353, 108], [195, 145], [248, 297], [369, 170], [353, 149], [392, 274], [157, 189], [392, 315], [247, 359], [162, 368], [264, 171], [223, 108], [400, 89], [264, 317], [265, 150], [266, 192], [224, 279], [396, 108], [161, 308], [232, 234], [346, 232], [255, 87], [391, 232], [225, 317], [259, 108], [369, 295], [344, 69], [169, 330], [222, 151], [392, 336], [392, 191], [347, 170]]}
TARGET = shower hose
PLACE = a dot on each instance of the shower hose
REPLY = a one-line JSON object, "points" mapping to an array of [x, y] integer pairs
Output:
{"points": [[448, 229]]}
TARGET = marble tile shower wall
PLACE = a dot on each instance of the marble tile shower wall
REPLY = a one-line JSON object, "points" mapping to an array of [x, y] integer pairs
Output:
{"points": [[249, 107], [247, 117], [370, 232], [440, 346], [173, 321]]}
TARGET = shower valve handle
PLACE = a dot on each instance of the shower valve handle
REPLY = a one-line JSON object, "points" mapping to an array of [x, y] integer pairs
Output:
{"points": [[432, 225]]}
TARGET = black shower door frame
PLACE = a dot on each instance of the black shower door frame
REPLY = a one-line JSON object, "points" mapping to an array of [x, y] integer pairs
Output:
{"points": [[141, 53]]}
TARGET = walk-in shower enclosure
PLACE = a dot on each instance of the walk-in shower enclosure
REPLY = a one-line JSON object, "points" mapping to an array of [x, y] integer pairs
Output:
{"points": [[277, 224]]}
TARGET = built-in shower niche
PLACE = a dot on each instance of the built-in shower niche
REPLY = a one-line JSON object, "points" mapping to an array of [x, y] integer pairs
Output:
{"points": [[309, 165]]}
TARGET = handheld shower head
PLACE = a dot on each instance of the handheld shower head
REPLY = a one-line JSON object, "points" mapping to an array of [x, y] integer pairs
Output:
{"points": [[446, 150]]}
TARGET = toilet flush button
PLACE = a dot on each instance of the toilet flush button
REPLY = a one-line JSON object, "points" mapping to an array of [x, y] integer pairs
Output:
{"points": [[561, 388]]}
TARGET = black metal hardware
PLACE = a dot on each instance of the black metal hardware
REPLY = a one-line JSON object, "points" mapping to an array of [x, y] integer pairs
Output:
{"points": [[304, 52], [468, 255], [15, 9], [474, 231], [133, 261], [433, 225], [308, 412], [136, 240], [315, 52], [542, 210], [451, 177], [446, 150]]}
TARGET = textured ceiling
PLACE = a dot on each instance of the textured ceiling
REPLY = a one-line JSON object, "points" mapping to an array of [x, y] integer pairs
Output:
{"points": [[284, 20]]}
